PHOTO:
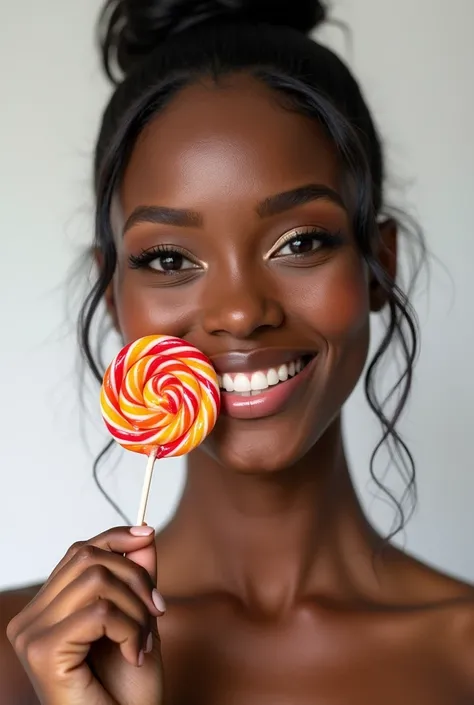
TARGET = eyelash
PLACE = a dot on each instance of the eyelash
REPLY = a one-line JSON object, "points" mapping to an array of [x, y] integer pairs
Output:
{"points": [[147, 256], [327, 240]]}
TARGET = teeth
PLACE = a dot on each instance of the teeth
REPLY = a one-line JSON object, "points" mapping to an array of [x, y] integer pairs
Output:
{"points": [[272, 377], [242, 383], [259, 381], [256, 382], [228, 383]]}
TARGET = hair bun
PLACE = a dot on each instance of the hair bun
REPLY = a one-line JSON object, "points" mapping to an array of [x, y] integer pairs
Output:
{"points": [[303, 15], [131, 29]]}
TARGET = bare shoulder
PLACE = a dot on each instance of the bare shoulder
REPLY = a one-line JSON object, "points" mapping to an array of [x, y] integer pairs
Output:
{"points": [[456, 632], [15, 688], [457, 626], [448, 605]]}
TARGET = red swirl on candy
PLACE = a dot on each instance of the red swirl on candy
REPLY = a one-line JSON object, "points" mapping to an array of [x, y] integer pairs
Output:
{"points": [[160, 394]]}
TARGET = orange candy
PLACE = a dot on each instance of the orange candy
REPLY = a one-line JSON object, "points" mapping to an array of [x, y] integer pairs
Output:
{"points": [[160, 394]]}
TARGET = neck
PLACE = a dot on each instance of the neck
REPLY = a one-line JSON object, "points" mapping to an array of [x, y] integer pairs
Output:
{"points": [[272, 538]]}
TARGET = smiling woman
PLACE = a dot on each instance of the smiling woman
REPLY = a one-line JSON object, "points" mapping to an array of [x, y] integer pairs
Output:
{"points": [[239, 191]]}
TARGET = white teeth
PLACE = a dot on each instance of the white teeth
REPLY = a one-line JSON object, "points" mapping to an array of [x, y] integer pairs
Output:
{"points": [[259, 381], [241, 383], [272, 377], [227, 383], [256, 382], [219, 381]]}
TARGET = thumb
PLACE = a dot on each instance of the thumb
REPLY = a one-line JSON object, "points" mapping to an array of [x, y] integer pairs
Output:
{"points": [[153, 666], [146, 557]]}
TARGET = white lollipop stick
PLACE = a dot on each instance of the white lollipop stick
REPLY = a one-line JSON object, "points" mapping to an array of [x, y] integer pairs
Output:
{"points": [[146, 487]]}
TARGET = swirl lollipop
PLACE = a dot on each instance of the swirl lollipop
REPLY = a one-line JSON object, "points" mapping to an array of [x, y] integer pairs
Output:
{"points": [[160, 397]]}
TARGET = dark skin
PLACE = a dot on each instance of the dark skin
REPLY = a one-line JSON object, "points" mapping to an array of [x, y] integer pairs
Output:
{"points": [[267, 567]]}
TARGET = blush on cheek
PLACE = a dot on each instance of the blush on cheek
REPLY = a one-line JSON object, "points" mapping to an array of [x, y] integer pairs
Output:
{"points": [[147, 310], [340, 301], [346, 327], [348, 314]]}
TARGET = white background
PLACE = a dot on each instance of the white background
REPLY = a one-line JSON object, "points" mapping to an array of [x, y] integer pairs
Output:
{"points": [[415, 62]]}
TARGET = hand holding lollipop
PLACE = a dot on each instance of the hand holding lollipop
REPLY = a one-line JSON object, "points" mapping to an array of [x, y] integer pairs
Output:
{"points": [[160, 397]]}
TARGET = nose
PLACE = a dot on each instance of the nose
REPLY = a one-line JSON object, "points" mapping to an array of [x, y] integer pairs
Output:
{"points": [[240, 308]]}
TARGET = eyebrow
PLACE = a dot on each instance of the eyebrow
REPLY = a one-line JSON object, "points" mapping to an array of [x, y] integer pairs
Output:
{"points": [[274, 205], [163, 216]]}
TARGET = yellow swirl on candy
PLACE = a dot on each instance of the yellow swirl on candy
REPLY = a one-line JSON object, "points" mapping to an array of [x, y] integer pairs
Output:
{"points": [[160, 393]]}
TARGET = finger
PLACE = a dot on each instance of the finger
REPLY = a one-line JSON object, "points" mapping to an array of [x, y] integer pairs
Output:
{"points": [[147, 559], [61, 649], [132, 575], [121, 539], [96, 583]]}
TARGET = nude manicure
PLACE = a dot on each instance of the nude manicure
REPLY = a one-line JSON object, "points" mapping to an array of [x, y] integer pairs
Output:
{"points": [[149, 643], [141, 530], [158, 601]]}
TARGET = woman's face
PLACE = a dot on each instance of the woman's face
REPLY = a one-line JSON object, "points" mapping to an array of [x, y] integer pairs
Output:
{"points": [[233, 234]]}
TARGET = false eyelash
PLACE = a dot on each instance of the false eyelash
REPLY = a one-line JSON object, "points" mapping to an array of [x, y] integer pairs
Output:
{"points": [[147, 256], [328, 240]]}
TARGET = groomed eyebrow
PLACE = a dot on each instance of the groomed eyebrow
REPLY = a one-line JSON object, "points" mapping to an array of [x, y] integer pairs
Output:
{"points": [[163, 216], [281, 202], [273, 205]]}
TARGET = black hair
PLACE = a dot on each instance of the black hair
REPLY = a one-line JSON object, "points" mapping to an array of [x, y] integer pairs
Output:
{"points": [[151, 49]]}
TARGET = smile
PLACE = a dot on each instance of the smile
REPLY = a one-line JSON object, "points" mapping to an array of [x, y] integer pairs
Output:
{"points": [[251, 389], [255, 383]]}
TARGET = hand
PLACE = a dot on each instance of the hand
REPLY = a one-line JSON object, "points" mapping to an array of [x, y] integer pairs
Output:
{"points": [[90, 635]]}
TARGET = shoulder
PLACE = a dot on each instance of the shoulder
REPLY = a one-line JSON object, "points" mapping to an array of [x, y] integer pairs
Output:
{"points": [[447, 610], [15, 688], [455, 637], [459, 646]]}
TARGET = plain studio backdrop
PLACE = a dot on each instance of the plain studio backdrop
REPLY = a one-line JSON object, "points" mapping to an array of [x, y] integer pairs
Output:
{"points": [[415, 62]]}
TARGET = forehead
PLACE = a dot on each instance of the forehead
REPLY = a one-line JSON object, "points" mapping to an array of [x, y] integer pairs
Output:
{"points": [[235, 140]]}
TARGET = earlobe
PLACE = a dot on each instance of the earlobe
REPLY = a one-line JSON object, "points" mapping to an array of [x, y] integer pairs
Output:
{"points": [[387, 263], [109, 296]]}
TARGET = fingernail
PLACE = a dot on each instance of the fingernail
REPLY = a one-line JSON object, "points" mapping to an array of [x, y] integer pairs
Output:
{"points": [[142, 530], [149, 644], [141, 658], [158, 601]]}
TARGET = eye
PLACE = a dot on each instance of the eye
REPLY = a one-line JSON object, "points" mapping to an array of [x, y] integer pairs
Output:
{"points": [[300, 245], [305, 242], [163, 259], [171, 262]]}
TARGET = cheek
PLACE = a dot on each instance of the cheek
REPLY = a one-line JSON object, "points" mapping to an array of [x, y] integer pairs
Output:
{"points": [[336, 301], [145, 310]]}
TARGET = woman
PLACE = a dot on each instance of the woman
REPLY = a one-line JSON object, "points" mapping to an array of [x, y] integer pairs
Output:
{"points": [[239, 188]]}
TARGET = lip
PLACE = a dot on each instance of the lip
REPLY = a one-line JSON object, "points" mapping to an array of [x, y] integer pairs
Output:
{"points": [[269, 402], [259, 359]]}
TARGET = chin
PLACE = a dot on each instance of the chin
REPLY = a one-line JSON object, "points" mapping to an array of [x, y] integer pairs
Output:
{"points": [[259, 451]]}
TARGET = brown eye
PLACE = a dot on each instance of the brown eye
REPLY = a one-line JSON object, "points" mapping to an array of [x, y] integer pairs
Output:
{"points": [[306, 242], [300, 245], [168, 262], [163, 259]]}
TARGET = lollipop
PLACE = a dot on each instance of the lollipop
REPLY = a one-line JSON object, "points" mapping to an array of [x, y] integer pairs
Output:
{"points": [[160, 397]]}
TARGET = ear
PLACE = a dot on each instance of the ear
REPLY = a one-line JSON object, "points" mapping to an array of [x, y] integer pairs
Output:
{"points": [[387, 261], [109, 296]]}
